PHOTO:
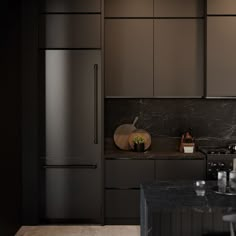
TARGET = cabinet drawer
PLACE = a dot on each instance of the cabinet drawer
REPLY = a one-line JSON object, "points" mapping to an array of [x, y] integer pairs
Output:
{"points": [[70, 31], [180, 169], [128, 173], [122, 203]]}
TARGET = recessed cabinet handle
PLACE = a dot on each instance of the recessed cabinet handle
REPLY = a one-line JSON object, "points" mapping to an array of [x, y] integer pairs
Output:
{"points": [[95, 103]]}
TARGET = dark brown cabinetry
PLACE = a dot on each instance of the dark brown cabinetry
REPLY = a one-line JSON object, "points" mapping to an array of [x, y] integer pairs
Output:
{"points": [[129, 57], [70, 31], [178, 57], [161, 56], [123, 179], [180, 169], [128, 8], [219, 7], [122, 183], [178, 8], [221, 63], [221, 37], [69, 197], [72, 6], [127, 173], [122, 206]]}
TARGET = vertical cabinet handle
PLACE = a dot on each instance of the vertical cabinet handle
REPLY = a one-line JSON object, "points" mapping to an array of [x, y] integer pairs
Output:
{"points": [[95, 103]]}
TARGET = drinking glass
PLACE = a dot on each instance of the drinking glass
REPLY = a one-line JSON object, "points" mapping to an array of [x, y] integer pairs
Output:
{"points": [[232, 181], [199, 187], [222, 181]]}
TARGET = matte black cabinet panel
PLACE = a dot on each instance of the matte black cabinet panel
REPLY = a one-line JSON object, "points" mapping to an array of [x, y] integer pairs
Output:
{"points": [[180, 169], [72, 5], [128, 8], [129, 57], [73, 106], [178, 57], [178, 8], [72, 194], [70, 31], [221, 51], [128, 173], [221, 7], [122, 203]]}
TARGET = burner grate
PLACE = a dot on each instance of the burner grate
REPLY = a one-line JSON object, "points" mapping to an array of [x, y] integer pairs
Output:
{"points": [[218, 152], [215, 150]]}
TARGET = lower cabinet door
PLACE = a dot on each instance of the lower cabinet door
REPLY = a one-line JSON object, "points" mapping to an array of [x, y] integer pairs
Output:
{"points": [[72, 194], [128, 173], [121, 204], [180, 169]]}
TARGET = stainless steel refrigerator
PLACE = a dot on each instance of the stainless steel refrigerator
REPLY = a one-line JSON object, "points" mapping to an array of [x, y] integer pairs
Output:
{"points": [[73, 121]]}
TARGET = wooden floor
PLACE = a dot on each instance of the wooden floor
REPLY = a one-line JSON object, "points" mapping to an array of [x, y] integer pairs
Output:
{"points": [[107, 230]]}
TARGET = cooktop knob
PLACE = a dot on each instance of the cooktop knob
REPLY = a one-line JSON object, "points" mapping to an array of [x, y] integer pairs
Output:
{"points": [[214, 164], [221, 164]]}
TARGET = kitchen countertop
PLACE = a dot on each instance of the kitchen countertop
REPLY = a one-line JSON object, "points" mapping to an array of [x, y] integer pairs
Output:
{"points": [[153, 155], [173, 208], [160, 150], [181, 194]]}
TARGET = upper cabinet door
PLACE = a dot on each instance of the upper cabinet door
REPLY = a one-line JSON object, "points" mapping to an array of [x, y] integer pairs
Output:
{"points": [[178, 58], [221, 51], [178, 8], [221, 7], [70, 31], [73, 106], [128, 8], [129, 57], [72, 6]]}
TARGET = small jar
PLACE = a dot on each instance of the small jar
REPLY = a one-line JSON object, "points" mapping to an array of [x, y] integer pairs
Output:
{"points": [[139, 147], [200, 188], [232, 181]]}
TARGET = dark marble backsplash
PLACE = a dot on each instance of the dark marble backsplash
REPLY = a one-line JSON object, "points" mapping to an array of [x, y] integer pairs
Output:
{"points": [[209, 119]]}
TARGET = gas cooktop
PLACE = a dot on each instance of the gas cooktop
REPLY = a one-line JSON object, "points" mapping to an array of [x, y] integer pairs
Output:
{"points": [[216, 150], [218, 159]]}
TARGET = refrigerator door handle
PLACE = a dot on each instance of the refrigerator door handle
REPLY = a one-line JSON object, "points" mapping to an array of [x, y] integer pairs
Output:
{"points": [[95, 103], [82, 166]]}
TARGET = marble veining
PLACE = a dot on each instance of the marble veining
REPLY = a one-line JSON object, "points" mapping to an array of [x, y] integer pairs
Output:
{"points": [[212, 120], [170, 208], [173, 195]]}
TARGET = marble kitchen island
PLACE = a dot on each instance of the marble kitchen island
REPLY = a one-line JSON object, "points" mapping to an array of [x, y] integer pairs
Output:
{"points": [[171, 208]]}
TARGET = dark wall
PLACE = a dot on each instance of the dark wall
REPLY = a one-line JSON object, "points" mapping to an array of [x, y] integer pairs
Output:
{"points": [[10, 163], [30, 112], [209, 119]]}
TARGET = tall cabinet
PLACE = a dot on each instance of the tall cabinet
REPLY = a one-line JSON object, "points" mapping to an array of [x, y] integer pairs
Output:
{"points": [[178, 48], [221, 37], [128, 48], [72, 167], [127, 72]]}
